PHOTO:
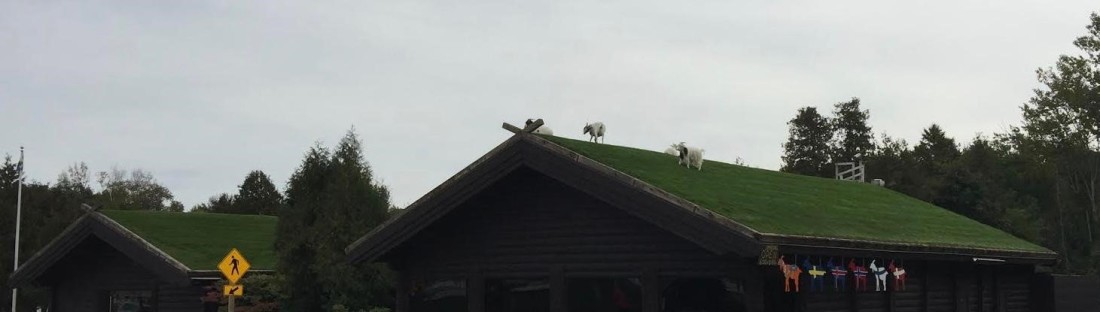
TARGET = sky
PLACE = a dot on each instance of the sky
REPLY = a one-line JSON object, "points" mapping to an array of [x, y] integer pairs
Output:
{"points": [[199, 93]]}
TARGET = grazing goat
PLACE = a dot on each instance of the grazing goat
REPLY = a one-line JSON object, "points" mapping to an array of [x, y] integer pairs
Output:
{"points": [[690, 156], [595, 131], [672, 150], [541, 129]]}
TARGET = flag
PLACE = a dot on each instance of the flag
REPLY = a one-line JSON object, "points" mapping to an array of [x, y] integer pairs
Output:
{"points": [[19, 175]]}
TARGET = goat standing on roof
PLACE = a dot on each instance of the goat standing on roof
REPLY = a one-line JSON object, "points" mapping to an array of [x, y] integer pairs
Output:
{"points": [[690, 156], [595, 131], [541, 129]]}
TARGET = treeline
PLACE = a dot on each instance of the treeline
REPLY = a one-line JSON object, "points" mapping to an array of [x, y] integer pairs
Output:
{"points": [[1038, 181], [331, 199]]}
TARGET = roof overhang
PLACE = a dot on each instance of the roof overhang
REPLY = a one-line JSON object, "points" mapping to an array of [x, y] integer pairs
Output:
{"points": [[789, 244]]}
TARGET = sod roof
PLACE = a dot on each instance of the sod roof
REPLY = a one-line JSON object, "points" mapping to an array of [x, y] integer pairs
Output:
{"points": [[782, 204], [200, 240]]}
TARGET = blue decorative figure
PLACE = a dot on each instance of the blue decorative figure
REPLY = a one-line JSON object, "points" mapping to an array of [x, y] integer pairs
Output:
{"points": [[839, 273], [817, 275]]}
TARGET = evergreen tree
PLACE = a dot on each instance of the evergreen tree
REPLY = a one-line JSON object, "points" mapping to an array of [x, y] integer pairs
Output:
{"points": [[933, 157], [854, 139], [807, 149], [332, 200], [257, 195], [294, 234]]}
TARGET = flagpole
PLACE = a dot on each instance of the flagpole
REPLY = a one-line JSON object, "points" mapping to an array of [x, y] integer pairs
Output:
{"points": [[18, 221]]}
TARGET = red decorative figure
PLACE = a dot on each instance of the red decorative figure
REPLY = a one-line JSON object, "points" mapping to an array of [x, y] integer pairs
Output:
{"points": [[861, 274], [899, 275]]}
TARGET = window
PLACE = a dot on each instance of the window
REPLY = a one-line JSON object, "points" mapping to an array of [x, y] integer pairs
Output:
{"points": [[604, 294], [438, 295], [525, 295], [703, 295], [131, 301]]}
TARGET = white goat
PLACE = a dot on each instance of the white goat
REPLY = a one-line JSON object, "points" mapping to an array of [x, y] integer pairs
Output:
{"points": [[690, 156], [595, 131], [672, 151], [543, 129]]}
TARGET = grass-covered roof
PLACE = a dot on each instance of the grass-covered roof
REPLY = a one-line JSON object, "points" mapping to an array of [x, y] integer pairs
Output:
{"points": [[200, 240], [776, 203]]}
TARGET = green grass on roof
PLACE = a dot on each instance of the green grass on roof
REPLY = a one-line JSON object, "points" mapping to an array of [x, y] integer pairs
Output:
{"points": [[200, 240], [788, 204]]}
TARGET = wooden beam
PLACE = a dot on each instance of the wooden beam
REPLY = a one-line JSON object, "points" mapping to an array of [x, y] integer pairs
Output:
{"points": [[528, 128], [475, 291], [557, 289], [651, 290], [511, 128]]}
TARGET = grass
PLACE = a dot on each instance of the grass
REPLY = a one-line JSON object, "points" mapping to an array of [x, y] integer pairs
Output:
{"points": [[200, 240], [788, 204]]}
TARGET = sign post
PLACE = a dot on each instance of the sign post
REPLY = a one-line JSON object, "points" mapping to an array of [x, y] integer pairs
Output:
{"points": [[233, 266]]}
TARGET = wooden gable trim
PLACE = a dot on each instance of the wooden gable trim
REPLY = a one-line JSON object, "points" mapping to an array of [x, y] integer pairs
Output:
{"points": [[51, 253], [436, 203], [94, 223], [620, 190], [644, 201]]}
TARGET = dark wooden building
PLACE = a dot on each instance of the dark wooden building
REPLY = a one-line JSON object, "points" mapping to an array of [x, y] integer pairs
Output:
{"points": [[552, 224], [143, 261]]}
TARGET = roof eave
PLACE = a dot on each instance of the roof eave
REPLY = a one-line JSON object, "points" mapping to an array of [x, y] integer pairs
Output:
{"points": [[855, 247]]}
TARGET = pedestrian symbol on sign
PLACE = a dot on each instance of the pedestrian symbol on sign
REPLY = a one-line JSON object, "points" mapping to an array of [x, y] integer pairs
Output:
{"points": [[234, 266]]}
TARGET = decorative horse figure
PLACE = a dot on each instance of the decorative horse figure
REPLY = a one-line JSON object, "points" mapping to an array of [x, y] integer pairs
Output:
{"points": [[790, 273], [880, 276], [860, 273], [840, 275], [899, 275], [817, 275]]}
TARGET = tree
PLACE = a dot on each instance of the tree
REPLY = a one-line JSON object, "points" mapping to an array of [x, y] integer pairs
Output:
{"points": [[807, 149], [1062, 126], [222, 203], [135, 190], [47, 211], [331, 200], [854, 139], [257, 195], [933, 157]]}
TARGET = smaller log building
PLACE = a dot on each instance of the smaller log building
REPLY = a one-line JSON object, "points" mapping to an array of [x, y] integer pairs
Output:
{"points": [[144, 261]]}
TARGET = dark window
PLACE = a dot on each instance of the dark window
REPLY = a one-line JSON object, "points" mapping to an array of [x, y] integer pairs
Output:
{"points": [[604, 294], [131, 301], [517, 295], [439, 295], [703, 295]]}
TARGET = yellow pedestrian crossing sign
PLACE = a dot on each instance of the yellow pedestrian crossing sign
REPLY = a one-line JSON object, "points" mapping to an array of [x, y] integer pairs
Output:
{"points": [[233, 266], [233, 290]]}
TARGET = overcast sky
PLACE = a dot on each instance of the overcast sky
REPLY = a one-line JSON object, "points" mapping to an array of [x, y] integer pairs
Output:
{"points": [[200, 93]]}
